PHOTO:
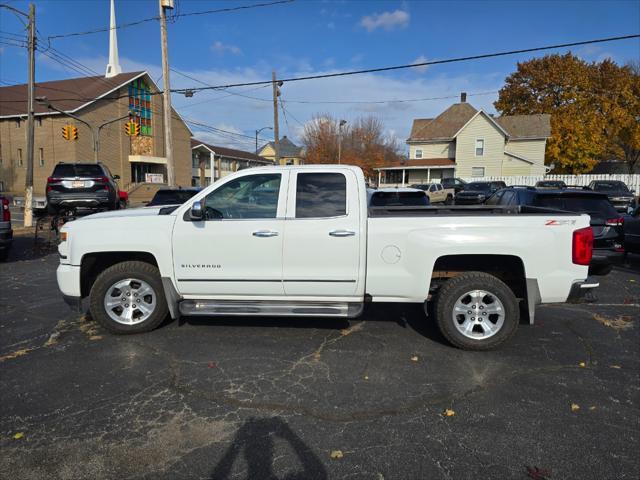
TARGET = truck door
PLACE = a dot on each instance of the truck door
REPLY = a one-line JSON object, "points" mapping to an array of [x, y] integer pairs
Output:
{"points": [[322, 234], [237, 248]]}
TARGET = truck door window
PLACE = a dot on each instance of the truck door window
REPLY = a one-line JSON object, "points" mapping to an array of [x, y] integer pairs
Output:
{"points": [[321, 195], [252, 196]]}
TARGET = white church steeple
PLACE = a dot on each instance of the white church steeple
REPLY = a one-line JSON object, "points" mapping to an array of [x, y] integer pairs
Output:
{"points": [[113, 68]]}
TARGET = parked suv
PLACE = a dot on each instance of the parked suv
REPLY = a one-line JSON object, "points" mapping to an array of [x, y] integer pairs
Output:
{"points": [[6, 232], [477, 192], [397, 197], [81, 185], [621, 197], [456, 183], [607, 224], [172, 196]]}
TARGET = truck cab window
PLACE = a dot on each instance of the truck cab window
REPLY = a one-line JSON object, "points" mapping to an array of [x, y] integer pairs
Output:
{"points": [[252, 196], [321, 195]]}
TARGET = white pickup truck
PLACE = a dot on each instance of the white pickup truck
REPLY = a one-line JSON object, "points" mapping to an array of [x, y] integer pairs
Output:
{"points": [[301, 241]]}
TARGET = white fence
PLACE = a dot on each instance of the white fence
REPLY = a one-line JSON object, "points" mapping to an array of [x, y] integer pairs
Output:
{"points": [[632, 181]]}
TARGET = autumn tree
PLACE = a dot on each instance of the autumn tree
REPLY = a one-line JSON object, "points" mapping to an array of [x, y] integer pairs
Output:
{"points": [[363, 142], [594, 108]]}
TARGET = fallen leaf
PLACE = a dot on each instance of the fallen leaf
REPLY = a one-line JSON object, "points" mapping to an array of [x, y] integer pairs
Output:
{"points": [[582, 364], [615, 366], [575, 407], [211, 365], [414, 358], [621, 322], [632, 280], [95, 337], [335, 454], [366, 377], [18, 436], [449, 413], [593, 407]]}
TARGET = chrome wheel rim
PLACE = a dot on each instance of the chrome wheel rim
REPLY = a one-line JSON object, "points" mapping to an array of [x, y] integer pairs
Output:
{"points": [[478, 314], [130, 301]]}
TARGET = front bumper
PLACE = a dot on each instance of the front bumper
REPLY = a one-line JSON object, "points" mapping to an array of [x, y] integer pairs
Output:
{"points": [[580, 288]]}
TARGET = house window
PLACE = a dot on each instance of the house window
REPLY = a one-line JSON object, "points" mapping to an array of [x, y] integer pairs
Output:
{"points": [[479, 147], [41, 157], [19, 157], [418, 153], [477, 171], [140, 102]]}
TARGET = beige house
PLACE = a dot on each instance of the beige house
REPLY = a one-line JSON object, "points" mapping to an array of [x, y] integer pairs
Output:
{"points": [[465, 142], [290, 153], [96, 100], [222, 160]]}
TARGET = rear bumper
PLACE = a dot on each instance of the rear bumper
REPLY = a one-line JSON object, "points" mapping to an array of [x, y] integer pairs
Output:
{"points": [[580, 288], [87, 199], [604, 257]]}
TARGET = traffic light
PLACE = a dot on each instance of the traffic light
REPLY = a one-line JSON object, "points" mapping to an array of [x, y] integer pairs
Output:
{"points": [[132, 129], [66, 131], [74, 133]]}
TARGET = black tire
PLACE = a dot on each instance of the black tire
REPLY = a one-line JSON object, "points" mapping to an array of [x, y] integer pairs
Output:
{"points": [[455, 288], [4, 254], [449, 200], [122, 205], [120, 271]]}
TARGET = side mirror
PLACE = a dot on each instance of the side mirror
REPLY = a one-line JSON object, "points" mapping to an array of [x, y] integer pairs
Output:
{"points": [[196, 214], [116, 177]]}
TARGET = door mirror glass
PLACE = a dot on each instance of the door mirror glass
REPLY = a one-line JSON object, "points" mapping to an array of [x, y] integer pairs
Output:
{"points": [[196, 213]]}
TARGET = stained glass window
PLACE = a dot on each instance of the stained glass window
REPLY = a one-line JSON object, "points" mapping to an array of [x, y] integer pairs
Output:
{"points": [[140, 101]]}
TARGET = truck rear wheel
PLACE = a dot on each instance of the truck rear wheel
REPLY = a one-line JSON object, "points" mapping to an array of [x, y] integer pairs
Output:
{"points": [[476, 311], [128, 298]]}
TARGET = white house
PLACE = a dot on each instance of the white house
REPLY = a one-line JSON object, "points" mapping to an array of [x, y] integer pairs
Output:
{"points": [[465, 142]]}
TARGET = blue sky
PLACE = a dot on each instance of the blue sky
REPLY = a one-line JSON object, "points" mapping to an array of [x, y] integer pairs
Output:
{"points": [[315, 36]]}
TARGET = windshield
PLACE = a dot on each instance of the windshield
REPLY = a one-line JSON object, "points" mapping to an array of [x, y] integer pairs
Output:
{"points": [[484, 187], [171, 197], [610, 187], [77, 170], [592, 205], [399, 199]]}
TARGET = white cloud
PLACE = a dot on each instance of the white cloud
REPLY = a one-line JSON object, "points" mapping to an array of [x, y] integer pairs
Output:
{"points": [[220, 48], [421, 59], [386, 20]]}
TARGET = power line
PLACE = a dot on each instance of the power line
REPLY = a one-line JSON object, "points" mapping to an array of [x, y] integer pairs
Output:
{"points": [[415, 65], [173, 17]]}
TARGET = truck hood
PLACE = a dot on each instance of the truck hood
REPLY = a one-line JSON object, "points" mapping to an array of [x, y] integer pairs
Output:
{"points": [[129, 212]]}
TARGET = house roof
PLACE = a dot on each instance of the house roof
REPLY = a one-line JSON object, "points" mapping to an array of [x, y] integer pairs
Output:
{"points": [[526, 126], [446, 125], [423, 162], [228, 152], [287, 148], [68, 95]]}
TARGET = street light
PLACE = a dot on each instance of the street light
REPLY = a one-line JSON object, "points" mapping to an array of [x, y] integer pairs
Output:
{"points": [[340, 125], [257, 132], [95, 132]]}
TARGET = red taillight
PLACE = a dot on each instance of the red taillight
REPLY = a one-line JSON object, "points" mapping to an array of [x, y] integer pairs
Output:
{"points": [[582, 247], [614, 222], [6, 213], [49, 188], [103, 179]]}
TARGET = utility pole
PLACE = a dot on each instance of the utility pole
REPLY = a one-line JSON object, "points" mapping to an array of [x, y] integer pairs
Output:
{"points": [[276, 130], [28, 184], [340, 125], [166, 95]]}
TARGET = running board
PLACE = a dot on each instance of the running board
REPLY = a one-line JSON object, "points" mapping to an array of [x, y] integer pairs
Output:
{"points": [[281, 308]]}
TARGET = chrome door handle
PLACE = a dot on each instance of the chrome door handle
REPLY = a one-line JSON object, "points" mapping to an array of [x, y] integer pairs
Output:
{"points": [[342, 233], [265, 233]]}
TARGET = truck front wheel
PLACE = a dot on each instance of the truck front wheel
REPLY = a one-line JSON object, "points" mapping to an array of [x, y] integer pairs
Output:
{"points": [[128, 298], [476, 311]]}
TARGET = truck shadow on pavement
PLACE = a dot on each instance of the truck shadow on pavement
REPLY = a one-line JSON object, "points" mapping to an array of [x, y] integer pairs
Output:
{"points": [[255, 442]]}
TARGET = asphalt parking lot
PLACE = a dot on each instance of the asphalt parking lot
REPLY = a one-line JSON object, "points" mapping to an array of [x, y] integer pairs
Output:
{"points": [[381, 397]]}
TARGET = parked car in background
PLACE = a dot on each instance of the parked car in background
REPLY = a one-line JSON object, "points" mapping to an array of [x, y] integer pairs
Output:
{"points": [[456, 183], [621, 197], [632, 231], [477, 192], [606, 222], [81, 185], [6, 232], [555, 184], [172, 196], [436, 192], [397, 197]]}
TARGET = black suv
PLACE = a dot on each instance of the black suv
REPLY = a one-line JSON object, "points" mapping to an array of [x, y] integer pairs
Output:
{"points": [[619, 194], [456, 183], [477, 192], [81, 185], [606, 223], [172, 196]]}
